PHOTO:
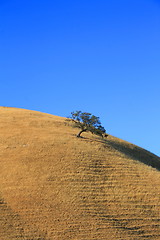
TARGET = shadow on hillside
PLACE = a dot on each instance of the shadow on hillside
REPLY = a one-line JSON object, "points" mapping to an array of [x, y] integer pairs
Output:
{"points": [[136, 153], [130, 150], [91, 139]]}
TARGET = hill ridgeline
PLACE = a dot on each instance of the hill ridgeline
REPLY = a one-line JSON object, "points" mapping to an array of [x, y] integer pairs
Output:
{"points": [[55, 186]]}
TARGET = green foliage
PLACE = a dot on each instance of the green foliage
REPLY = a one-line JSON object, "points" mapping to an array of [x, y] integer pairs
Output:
{"points": [[87, 122]]}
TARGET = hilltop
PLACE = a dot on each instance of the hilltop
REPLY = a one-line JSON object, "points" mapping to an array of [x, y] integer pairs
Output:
{"points": [[57, 186]]}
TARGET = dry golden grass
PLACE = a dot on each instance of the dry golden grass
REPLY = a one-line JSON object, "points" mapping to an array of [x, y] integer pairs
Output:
{"points": [[57, 186]]}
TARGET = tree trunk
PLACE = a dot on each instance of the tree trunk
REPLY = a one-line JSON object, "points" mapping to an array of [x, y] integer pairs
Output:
{"points": [[79, 134]]}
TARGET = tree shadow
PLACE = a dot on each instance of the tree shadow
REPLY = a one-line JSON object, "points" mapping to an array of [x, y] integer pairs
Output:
{"points": [[137, 153], [87, 139], [130, 150]]}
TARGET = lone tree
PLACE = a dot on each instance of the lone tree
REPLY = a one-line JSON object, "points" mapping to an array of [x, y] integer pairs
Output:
{"points": [[87, 123]]}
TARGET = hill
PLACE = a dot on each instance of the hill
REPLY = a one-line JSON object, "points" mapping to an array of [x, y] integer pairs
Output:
{"points": [[57, 186]]}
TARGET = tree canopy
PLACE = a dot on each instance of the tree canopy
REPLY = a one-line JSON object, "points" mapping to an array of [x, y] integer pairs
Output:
{"points": [[87, 122]]}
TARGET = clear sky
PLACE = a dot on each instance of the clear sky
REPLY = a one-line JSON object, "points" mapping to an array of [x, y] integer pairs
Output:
{"points": [[99, 56]]}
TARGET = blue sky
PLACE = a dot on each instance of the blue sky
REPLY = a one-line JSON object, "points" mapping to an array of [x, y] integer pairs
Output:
{"points": [[99, 56]]}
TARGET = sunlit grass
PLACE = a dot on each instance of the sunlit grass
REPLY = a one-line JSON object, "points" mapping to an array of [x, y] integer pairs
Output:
{"points": [[57, 186]]}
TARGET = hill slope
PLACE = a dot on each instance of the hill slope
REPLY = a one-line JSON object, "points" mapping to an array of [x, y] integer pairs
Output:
{"points": [[57, 186]]}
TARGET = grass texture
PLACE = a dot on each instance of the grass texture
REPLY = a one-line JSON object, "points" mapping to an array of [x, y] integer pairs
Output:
{"points": [[55, 186]]}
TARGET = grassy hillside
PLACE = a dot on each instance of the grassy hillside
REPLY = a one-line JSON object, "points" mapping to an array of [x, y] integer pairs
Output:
{"points": [[57, 186]]}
